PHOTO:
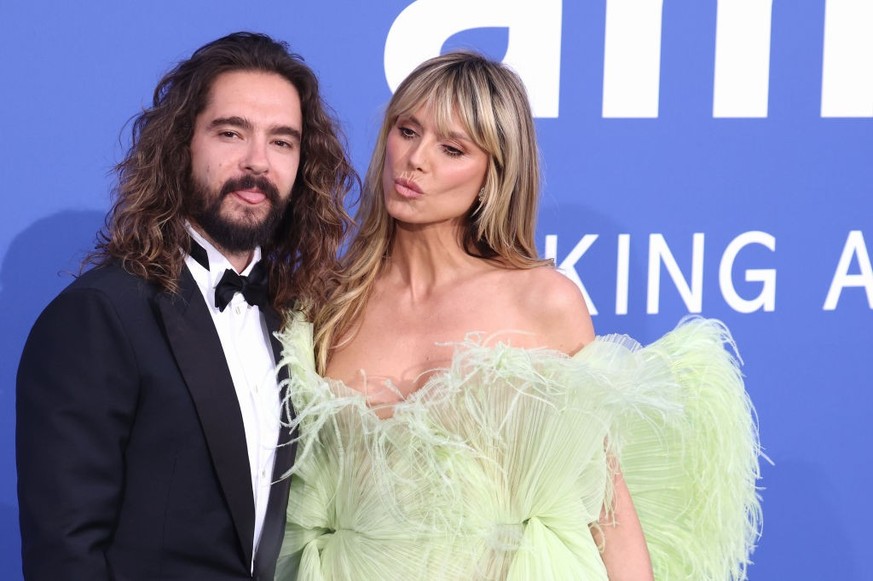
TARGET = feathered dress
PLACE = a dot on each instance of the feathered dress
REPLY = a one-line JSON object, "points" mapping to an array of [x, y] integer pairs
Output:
{"points": [[500, 464]]}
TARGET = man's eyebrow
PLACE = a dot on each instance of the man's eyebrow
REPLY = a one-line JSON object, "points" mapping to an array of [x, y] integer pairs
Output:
{"points": [[243, 123], [286, 131], [234, 121]]}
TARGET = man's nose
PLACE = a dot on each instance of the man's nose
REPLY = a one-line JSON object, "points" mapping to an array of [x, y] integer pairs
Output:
{"points": [[255, 159]]}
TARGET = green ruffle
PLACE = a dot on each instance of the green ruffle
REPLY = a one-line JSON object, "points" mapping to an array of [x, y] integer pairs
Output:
{"points": [[497, 466]]}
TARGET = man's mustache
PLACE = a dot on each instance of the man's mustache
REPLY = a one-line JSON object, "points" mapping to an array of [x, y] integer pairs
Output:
{"points": [[249, 182]]}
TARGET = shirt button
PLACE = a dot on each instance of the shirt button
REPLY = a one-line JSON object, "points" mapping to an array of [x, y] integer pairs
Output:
{"points": [[238, 309]]}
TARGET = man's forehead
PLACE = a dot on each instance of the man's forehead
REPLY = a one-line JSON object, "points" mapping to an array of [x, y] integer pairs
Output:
{"points": [[244, 94]]}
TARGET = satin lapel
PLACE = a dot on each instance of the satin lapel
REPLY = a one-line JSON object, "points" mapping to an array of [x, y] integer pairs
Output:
{"points": [[274, 322], [274, 521], [200, 357], [285, 451]]}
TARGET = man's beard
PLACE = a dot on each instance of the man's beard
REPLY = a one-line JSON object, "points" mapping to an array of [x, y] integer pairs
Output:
{"points": [[246, 232]]}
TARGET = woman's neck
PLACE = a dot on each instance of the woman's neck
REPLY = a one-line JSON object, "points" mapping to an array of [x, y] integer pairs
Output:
{"points": [[425, 258]]}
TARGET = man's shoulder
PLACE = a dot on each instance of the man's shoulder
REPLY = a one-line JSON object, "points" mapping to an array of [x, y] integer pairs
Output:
{"points": [[104, 297], [110, 284], [112, 280]]}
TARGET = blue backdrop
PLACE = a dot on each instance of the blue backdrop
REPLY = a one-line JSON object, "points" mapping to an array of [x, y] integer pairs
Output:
{"points": [[700, 156]]}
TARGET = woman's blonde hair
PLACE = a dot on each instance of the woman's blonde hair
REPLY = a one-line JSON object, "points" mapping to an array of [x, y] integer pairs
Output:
{"points": [[489, 101]]}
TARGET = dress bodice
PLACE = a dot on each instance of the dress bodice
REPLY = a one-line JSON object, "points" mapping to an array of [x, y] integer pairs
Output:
{"points": [[497, 467]]}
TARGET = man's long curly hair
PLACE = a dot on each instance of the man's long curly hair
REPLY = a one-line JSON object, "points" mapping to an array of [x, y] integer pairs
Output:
{"points": [[145, 229]]}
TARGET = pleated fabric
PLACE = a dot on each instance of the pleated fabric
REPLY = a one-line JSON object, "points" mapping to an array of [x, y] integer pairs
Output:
{"points": [[497, 467]]}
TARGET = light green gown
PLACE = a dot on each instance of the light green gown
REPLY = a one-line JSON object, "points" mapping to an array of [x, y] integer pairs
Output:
{"points": [[497, 467]]}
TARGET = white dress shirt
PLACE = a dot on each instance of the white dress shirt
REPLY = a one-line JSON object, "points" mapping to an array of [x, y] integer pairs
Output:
{"points": [[245, 340]]}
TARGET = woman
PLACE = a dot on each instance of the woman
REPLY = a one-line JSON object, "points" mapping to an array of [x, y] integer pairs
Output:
{"points": [[464, 432]]}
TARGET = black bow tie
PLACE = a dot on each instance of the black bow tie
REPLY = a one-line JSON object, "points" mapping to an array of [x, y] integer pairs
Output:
{"points": [[253, 287]]}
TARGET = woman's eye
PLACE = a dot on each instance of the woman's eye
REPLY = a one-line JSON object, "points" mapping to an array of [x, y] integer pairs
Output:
{"points": [[406, 132], [452, 151]]}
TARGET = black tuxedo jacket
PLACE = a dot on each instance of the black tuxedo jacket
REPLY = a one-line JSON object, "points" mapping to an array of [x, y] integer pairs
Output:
{"points": [[131, 451]]}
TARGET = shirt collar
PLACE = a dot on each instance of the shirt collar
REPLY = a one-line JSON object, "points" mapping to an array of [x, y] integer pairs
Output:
{"points": [[207, 279]]}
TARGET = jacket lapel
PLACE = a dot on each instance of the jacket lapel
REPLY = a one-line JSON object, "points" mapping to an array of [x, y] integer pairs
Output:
{"points": [[200, 357], [274, 522], [285, 452]]}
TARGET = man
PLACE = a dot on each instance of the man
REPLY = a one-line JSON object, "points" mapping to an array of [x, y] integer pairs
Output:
{"points": [[148, 408]]}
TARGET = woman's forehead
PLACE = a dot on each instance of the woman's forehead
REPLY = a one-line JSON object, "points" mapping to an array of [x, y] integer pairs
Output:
{"points": [[444, 116]]}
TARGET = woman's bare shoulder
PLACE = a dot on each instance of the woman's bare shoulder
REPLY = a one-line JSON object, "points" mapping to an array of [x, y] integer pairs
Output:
{"points": [[555, 307]]}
